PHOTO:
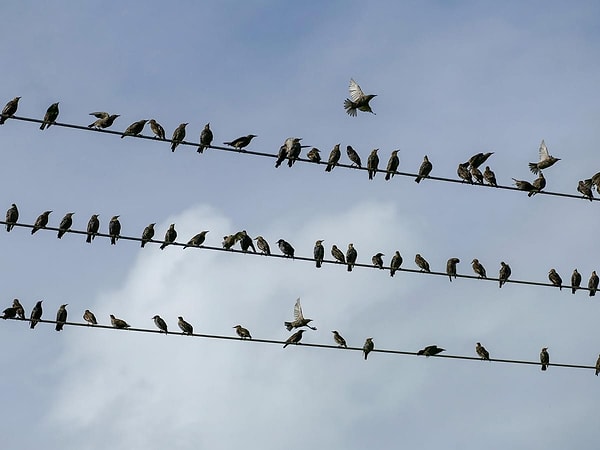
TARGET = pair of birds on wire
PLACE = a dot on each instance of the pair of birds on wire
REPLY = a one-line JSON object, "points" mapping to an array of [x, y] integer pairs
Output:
{"points": [[576, 279], [545, 161]]}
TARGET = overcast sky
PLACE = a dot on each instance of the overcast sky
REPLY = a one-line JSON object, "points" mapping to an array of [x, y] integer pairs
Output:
{"points": [[452, 78]]}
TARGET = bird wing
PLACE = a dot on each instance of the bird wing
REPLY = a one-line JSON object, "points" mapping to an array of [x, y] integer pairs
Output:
{"points": [[100, 114], [356, 92], [544, 151], [298, 310]]}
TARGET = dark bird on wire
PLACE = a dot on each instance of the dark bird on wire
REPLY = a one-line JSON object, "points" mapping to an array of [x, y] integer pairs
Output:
{"points": [[598, 365], [206, 138], [89, 317], [424, 170], [464, 173], [118, 323], [524, 185], [65, 224], [242, 332], [544, 358], [555, 278], [489, 176], [377, 260], [157, 129], [241, 142], [339, 340], [170, 236], [246, 242], [105, 120], [395, 263], [593, 283], [477, 175], [538, 184], [358, 100], [19, 308], [294, 338], [9, 109], [337, 254], [431, 350], [334, 158], [351, 256], [575, 281], [147, 234], [585, 188], [422, 263], [314, 155], [373, 163], [354, 157], [12, 217], [392, 165], [546, 160], [184, 326], [178, 136], [286, 248], [281, 156], [114, 229], [135, 128], [504, 273], [92, 228], [482, 352], [299, 320], [36, 314], [160, 324], [319, 252], [451, 267], [9, 313], [479, 158], [293, 148], [595, 180], [50, 116], [41, 221], [478, 268], [263, 245], [197, 240], [368, 347], [61, 317]]}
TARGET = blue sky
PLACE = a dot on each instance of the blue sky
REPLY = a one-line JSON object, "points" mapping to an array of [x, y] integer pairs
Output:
{"points": [[452, 78]]}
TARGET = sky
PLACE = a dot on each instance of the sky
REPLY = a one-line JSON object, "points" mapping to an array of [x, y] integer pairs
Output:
{"points": [[452, 79]]}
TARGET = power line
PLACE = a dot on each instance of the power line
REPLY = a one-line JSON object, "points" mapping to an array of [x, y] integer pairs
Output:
{"points": [[304, 160]]}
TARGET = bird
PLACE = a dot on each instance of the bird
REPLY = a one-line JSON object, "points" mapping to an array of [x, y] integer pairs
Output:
{"points": [[147, 234], [118, 323], [575, 281], [339, 340], [598, 365], [585, 188], [392, 165], [299, 320], [50, 116], [41, 221], [476, 174], [65, 224], [92, 228], [337, 254], [286, 248], [544, 358], [377, 260], [334, 158], [373, 163], [178, 136], [197, 240], [114, 229], [555, 278], [89, 317], [206, 138], [358, 100], [479, 158], [229, 241], [538, 184], [241, 142], [424, 170], [524, 185], [293, 148], [595, 180], [464, 173], [395, 263], [242, 332], [185, 327], [482, 352], [422, 263], [160, 324], [451, 267], [353, 156], [36, 314], [9, 313], [478, 268], [489, 176], [61, 317], [19, 309], [9, 109], [246, 242], [431, 350], [157, 129], [593, 283], [546, 160], [294, 338], [504, 273], [135, 128], [263, 245], [368, 347], [12, 217], [319, 252], [104, 120], [314, 155], [351, 256], [281, 156], [170, 236]]}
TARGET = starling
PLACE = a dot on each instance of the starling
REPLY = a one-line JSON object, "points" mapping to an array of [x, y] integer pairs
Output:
{"points": [[337, 254], [170, 236], [157, 129], [242, 332], [478, 159], [555, 278], [451, 267], [19, 308], [546, 160], [135, 128], [524, 185], [489, 176], [339, 340], [263, 245], [351, 256], [9, 313], [178, 136], [147, 234], [36, 314], [319, 252], [12, 217], [114, 229], [105, 120], [206, 138], [463, 172], [61, 317], [431, 350], [598, 365], [545, 358], [482, 352], [334, 157], [476, 174], [293, 148], [504, 273], [92, 228], [9, 109], [197, 240], [422, 263], [538, 184], [575, 281], [299, 320], [358, 100], [41, 221], [118, 323], [368, 347], [424, 170], [160, 324], [392, 165], [478, 268], [395, 263], [286, 248], [65, 224], [246, 242], [595, 180], [354, 157], [585, 188], [50, 116], [314, 155], [593, 284], [241, 142], [89, 317], [373, 163], [185, 327], [228, 241], [281, 156], [294, 338], [377, 260]]}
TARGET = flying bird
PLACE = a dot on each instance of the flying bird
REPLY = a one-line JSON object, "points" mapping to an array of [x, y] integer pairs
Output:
{"points": [[478, 268], [353, 156], [36, 314], [185, 327], [160, 324], [65, 224], [197, 240], [451, 267], [489, 176], [392, 165], [299, 320], [395, 263], [482, 352], [104, 120], [114, 229], [92, 228], [89, 317], [593, 283], [425, 169], [337, 254], [41, 221], [178, 136], [555, 278], [294, 338], [286, 248], [377, 260], [351, 256], [50, 116], [147, 234], [373, 163], [118, 323], [157, 129], [135, 128], [575, 281], [504, 273], [431, 350], [241, 142], [546, 160], [206, 138], [339, 340], [9, 109], [479, 158], [263, 245], [61, 317], [358, 100], [422, 263], [544, 358], [334, 158], [170, 236], [242, 332], [368, 347], [12, 217], [319, 252]]}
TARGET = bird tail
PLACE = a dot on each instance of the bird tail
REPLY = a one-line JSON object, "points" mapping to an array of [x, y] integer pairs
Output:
{"points": [[173, 146], [286, 344], [387, 176], [534, 168], [328, 168], [162, 247], [349, 267], [392, 272], [592, 293], [32, 324], [42, 126], [200, 149], [288, 325], [291, 162], [366, 354], [350, 107], [113, 240], [573, 289], [88, 239], [318, 263], [312, 328], [418, 180], [544, 367]]}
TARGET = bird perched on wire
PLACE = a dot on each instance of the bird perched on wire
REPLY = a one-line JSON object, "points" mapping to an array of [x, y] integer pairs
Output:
{"points": [[451, 267], [339, 340], [241, 142], [353, 156], [286, 248], [61, 317], [41, 221], [538, 184], [114, 229], [555, 278], [242, 332], [479, 158], [178, 136], [50, 116], [104, 120], [546, 160], [89, 317], [334, 158], [118, 323], [160, 324], [377, 260], [478, 268], [337, 254], [197, 240], [12, 217], [482, 352], [489, 176], [147, 234], [92, 228], [36, 314], [424, 170], [135, 128], [524, 185], [373, 163], [593, 283], [293, 150], [206, 138], [585, 188], [504, 273], [65, 224], [545, 358], [598, 365], [263, 245], [476, 174], [575, 281], [395, 263], [464, 173], [170, 236], [351, 256], [392, 165], [157, 129], [319, 252], [9, 313], [431, 350], [19, 309], [314, 155], [281, 156], [299, 320], [246, 242], [294, 338], [358, 100], [422, 263], [9, 109], [185, 327], [229, 241], [368, 347]]}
